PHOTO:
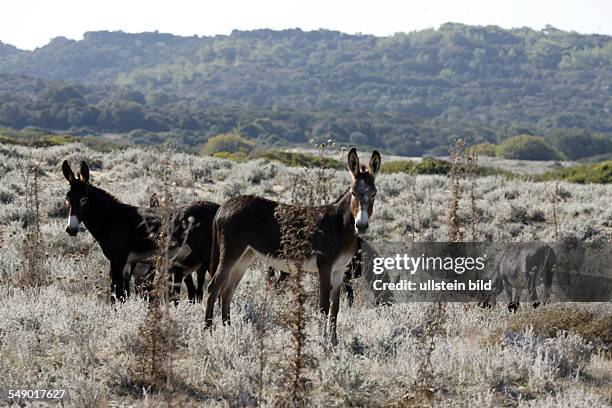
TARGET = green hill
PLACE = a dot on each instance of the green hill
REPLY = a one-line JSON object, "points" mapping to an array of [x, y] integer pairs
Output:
{"points": [[414, 91]]}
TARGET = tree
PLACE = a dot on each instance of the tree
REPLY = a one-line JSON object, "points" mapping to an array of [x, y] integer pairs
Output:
{"points": [[526, 147], [578, 143], [228, 142], [358, 139]]}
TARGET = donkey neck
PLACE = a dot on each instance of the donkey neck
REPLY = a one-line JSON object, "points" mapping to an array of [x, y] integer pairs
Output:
{"points": [[101, 212], [343, 210]]}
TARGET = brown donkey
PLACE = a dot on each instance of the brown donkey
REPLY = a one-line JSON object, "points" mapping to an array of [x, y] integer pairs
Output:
{"points": [[247, 226]]}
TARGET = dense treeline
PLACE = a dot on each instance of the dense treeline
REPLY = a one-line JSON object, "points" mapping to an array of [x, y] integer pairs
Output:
{"points": [[410, 93]]}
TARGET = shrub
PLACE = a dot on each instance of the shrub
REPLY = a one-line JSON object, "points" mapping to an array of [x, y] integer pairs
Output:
{"points": [[297, 159], [426, 166], [600, 173], [228, 142], [578, 143], [485, 149], [592, 326], [527, 147]]}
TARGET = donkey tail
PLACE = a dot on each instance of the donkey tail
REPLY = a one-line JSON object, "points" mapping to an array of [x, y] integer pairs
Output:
{"points": [[214, 251]]}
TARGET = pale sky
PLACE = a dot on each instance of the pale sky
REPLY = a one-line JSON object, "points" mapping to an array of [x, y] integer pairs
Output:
{"points": [[29, 24]]}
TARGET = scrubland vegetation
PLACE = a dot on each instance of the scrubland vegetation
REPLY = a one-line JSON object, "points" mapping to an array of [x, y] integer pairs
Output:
{"points": [[61, 331]]}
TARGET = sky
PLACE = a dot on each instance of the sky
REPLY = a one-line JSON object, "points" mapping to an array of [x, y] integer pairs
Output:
{"points": [[28, 24]]}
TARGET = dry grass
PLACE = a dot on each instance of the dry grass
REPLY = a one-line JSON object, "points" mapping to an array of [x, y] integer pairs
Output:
{"points": [[593, 324]]}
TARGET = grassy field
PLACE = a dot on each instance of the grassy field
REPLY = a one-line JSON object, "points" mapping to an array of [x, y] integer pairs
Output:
{"points": [[64, 333]]}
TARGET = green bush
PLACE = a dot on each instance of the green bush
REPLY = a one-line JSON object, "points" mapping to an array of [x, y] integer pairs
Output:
{"points": [[526, 147], [485, 149], [578, 143], [600, 173], [297, 159], [228, 142], [426, 166], [290, 159]]}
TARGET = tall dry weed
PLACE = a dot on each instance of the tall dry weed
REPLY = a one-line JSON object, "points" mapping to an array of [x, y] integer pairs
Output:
{"points": [[33, 274], [157, 336], [455, 233], [471, 169]]}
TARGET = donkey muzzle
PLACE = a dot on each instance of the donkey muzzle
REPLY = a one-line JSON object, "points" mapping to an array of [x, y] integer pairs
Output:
{"points": [[73, 225], [72, 231], [361, 228]]}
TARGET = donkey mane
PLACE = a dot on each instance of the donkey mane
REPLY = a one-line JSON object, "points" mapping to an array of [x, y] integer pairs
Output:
{"points": [[107, 198], [341, 196]]}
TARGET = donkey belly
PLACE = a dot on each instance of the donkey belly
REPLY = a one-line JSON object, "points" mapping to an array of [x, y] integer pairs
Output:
{"points": [[287, 265], [309, 265], [175, 254], [142, 257]]}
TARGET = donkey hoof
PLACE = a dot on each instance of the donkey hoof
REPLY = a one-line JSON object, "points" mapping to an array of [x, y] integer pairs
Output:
{"points": [[513, 306], [535, 305], [485, 305]]}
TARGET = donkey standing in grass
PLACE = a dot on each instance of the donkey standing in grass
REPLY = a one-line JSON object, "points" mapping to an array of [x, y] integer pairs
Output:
{"points": [[144, 272], [247, 226], [523, 266], [127, 234]]}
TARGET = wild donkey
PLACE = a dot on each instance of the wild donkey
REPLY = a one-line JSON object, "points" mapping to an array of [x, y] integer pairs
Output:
{"points": [[126, 233], [521, 266], [247, 226], [144, 272]]}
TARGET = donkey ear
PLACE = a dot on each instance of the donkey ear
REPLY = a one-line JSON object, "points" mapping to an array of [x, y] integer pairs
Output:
{"points": [[84, 172], [67, 171], [353, 162], [374, 164]]}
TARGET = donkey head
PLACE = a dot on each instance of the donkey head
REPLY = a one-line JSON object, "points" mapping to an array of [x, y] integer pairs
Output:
{"points": [[76, 197], [363, 190]]}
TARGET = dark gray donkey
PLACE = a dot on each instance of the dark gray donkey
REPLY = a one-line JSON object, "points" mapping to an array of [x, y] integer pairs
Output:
{"points": [[523, 266]]}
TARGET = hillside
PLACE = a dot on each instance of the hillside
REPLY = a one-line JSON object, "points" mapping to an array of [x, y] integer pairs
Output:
{"points": [[486, 83]]}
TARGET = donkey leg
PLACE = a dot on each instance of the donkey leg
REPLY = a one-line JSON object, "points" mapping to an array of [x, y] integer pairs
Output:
{"points": [[533, 292], [282, 276], [512, 305], [490, 299], [218, 281], [117, 280], [271, 274], [201, 275], [127, 277], [324, 293], [350, 296], [175, 278], [335, 307], [191, 289], [145, 282], [227, 292]]}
